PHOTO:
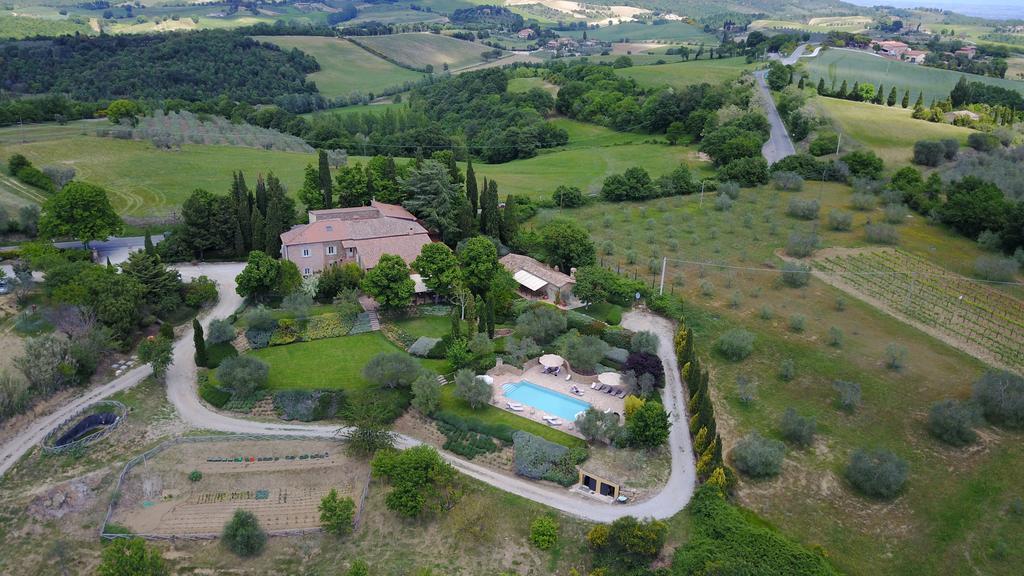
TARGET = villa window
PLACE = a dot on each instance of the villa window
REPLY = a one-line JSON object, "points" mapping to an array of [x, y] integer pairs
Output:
{"points": [[330, 250], [305, 252], [306, 272]]}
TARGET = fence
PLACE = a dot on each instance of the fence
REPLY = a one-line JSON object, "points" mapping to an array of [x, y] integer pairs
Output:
{"points": [[104, 535], [51, 438]]}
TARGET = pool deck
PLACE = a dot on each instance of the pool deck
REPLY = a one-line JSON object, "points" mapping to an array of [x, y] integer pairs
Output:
{"points": [[534, 373]]}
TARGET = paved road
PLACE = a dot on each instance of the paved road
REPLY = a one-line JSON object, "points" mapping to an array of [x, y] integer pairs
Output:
{"points": [[779, 145], [181, 391], [797, 54], [115, 249]]}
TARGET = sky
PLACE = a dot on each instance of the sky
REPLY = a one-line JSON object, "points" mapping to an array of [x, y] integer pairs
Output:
{"points": [[1003, 9]]}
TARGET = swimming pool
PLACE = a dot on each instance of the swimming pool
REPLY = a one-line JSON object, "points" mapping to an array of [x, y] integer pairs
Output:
{"points": [[554, 403]]}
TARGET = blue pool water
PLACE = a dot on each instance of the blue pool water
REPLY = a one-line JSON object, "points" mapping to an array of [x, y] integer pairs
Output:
{"points": [[561, 405]]}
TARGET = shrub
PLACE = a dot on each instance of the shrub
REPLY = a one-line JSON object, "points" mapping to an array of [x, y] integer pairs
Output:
{"points": [[787, 369], [983, 141], [736, 344], [730, 189], [584, 352], [757, 456], [864, 164], [877, 473], [309, 405], [950, 148], [929, 153], [881, 234], [243, 535], [243, 375], [997, 268], [896, 213], [220, 331], [392, 370], [848, 395], [648, 426], [640, 363], [801, 245], [840, 220], [749, 172], [1000, 395], [788, 181], [803, 209], [895, 356], [567, 197], [420, 480], [535, 456], [644, 341], [797, 322], [723, 203], [541, 323], [211, 393], [863, 202], [953, 422], [195, 476], [835, 337], [824, 144], [337, 514], [795, 274], [131, 556], [472, 390], [544, 532], [426, 393], [200, 292], [797, 429]]}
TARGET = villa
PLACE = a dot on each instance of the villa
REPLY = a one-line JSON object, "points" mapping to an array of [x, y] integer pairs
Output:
{"points": [[360, 234]]}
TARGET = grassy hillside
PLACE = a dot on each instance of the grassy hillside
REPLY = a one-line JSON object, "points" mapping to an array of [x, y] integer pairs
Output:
{"points": [[345, 67], [419, 50], [681, 74], [953, 516], [834, 24], [23, 27], [890, 132], [638, 32], [854, 66]]}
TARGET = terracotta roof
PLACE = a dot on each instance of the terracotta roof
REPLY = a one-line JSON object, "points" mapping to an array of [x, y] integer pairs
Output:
{"points": [[392, 210], [516, 262], [370, 250], [331, 230]]}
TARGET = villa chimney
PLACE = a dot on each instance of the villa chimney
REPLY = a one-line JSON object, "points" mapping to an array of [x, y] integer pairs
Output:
{"points": [[572, 273]]}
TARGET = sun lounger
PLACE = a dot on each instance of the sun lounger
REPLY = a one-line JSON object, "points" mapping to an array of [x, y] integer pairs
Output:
{"points": [[594, 386], [515, 407], [551, 420], [568, 376], [621, 394]]}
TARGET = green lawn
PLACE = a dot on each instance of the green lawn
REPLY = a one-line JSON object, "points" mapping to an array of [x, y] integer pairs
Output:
{"points": [[855, 66], [682, 74], [332, 363], [889, 132], [344, 67], [430, 326], [610, 314], [639, 32], [420, 49], [493, 415], [359, 109]]}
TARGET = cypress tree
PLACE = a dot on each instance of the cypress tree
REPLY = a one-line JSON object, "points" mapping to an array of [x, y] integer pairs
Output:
{"points": [[243, 209], [325, 179], [274, 226], [920, 101], [801, 84], [471, 189], [855, 92], [490, 318], [490, 218], [842, 91], [371, 186], [509, 224], [821, 87], [453, 169], [148, 243], [879, 94], [258, 239], [200, 342], [261, 195], [239, 241], [482, 324], [906, 100], [418, 159], [390, 170]]}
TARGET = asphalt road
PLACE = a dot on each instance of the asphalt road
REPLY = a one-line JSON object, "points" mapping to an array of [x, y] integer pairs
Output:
{"points": [[779, 145], [181, 391]]}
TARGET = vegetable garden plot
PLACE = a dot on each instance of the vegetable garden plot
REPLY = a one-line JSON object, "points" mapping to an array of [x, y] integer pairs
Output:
{"points": [[980, 319], [280, 481]]}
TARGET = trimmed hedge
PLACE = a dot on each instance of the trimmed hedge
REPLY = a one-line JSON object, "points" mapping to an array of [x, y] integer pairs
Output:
{"points": [[466, 443], [502, 432], [217, 353], [214, 395]]}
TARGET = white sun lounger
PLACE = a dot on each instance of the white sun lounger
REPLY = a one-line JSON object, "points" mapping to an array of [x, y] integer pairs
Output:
{"points": [[594, 386], [551, 420], [514, 406]]}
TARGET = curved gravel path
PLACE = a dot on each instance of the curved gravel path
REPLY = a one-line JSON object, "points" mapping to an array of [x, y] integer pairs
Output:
{"points": [[181, 391]]}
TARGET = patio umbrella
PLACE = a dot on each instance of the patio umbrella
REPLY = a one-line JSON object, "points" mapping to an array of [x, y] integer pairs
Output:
{"points": [[551, 361], [610, 378]]}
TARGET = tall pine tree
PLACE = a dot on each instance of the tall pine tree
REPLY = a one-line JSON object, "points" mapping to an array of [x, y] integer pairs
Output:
{"points": [[471, 190], [325, 180]]}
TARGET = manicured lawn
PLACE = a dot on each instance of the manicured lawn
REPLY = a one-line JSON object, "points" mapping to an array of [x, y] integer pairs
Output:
{"points": [[344, 67], [854, 66], [889, 131], [610, 314], [681, 74], [431, 326], [493, 415], [329, 363]]}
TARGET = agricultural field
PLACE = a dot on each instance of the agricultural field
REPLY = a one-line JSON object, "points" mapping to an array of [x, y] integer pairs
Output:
{"points": [[821, 25], [974, 317], [360, 109], [344, 67], [177, 128], [145, 181], [682, 74], [724, 264], [421, 49], [889, 131], [260, 476], [678, 32], [28, 26], [392, 14], [837, 65], [585, 167], [1015, 68]]}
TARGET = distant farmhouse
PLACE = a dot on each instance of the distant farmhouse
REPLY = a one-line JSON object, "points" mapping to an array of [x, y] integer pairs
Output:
{"points": [[361, 235]]}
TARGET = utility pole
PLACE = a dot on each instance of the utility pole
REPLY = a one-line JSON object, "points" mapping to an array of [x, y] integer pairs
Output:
{"points": [[839, 141], [664, 263], [702, 182]]}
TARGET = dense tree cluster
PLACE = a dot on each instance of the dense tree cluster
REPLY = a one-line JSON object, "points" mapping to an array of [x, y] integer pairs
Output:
{"points": [[190, 66]]}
